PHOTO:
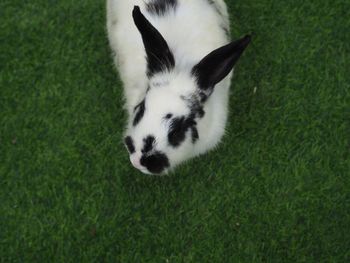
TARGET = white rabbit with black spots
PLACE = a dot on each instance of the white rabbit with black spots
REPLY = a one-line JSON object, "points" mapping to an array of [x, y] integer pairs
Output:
{"points": [[175, 60]]}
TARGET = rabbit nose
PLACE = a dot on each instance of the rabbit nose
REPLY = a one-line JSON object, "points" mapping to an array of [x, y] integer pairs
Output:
{"points": [[135, 160]]}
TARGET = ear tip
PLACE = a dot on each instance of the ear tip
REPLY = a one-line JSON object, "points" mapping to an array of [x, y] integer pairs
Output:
{"points": [[137, 15], [136, 10], [244, 41], [247, 38]]}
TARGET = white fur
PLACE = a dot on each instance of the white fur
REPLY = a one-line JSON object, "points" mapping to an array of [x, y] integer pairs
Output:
{"points": [[192, 32]]}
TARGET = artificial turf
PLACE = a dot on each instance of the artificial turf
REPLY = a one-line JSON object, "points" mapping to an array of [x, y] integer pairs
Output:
{"points": [[276, 190]]}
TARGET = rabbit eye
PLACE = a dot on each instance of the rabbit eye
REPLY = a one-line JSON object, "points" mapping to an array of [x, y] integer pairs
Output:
{"points": [[169, 116]]}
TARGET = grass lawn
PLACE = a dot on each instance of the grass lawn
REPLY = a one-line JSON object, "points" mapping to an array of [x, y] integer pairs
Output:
{"points": [[276, 190]]}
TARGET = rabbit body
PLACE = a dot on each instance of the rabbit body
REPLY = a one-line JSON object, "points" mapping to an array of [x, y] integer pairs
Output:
{"points": [[168, 106]]}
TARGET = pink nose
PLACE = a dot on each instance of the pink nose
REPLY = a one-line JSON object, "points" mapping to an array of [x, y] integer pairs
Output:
{"points": [[135, 160]]}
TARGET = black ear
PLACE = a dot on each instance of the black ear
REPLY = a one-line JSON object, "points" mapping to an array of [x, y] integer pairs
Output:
{"points": [[217, 65], [159, 56]]}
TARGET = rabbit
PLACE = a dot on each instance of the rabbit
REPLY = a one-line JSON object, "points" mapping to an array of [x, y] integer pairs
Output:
{"points": [[175, 59]]}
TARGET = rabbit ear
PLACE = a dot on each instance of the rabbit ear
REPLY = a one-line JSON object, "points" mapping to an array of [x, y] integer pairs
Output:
{"points": [[217, 65], [159, 56]]}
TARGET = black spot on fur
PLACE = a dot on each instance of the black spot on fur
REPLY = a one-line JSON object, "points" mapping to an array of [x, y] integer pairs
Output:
{"points": [[180, 125], [159, 56], [155, 163], [148, 144], [129, 144], [201, 112], [178, 129], [177, 132], [161, 7], [195, 103], [203, 97], [195, 135], [196, 107], [140, 111]]}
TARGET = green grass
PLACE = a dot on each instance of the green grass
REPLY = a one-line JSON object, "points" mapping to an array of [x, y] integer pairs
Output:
{"points": [[276, 190]]}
